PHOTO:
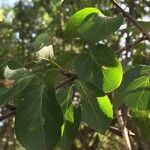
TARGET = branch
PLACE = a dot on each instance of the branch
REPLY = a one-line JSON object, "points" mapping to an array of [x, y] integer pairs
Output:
{"points": [[10, 107], [7, 115], [133, 44], [66, 82], [124, 129], [125, 14]]}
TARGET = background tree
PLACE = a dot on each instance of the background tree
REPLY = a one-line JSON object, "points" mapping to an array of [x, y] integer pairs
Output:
{"points": [[24, 21]]}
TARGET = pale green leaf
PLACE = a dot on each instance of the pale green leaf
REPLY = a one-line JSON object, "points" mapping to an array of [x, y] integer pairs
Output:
{"points": [[76, 19], [45, 53], [15, 74]]}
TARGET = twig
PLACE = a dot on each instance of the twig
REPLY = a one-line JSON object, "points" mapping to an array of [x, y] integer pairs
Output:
{"points": [[118, 132], [10, 107], [7, 115], [133, 44], [125, 14], [124, 129], [66, 82]]}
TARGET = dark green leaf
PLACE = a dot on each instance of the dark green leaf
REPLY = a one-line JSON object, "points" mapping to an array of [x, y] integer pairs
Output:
{"points": [[96, 108], [41, 41], [83, 66], [64, 98], [99, 27], [134, 90], [66, 60], [53, 76], [9, 94], [38, 118], [142, 120]]}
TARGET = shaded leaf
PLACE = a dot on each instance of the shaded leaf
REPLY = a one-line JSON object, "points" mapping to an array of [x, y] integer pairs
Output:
{"points": [[15, 74], [134, 90], [142, 120], [41, 41], [53, 76], [66, 60], [19, 86], [38, 118], [83, 66]]}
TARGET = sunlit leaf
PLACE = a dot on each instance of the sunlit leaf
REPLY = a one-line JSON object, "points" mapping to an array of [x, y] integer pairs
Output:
{"points": [[76, 19]]}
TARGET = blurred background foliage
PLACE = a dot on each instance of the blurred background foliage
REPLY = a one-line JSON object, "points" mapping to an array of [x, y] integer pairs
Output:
{"points": [[21, 21]]}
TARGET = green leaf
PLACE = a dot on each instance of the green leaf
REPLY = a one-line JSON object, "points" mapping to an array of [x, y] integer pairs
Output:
{"points": [[76, 19], [64, 97], [15, 74], [41, 41], [70, 127], [66, 60], [38, 117], [53, 76], [134, 90], [9, 94], [99, 27], [72, 117], [137, 95], [83, 66], [101, 67], [96, 108], [142, 120], [107, 70]]}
